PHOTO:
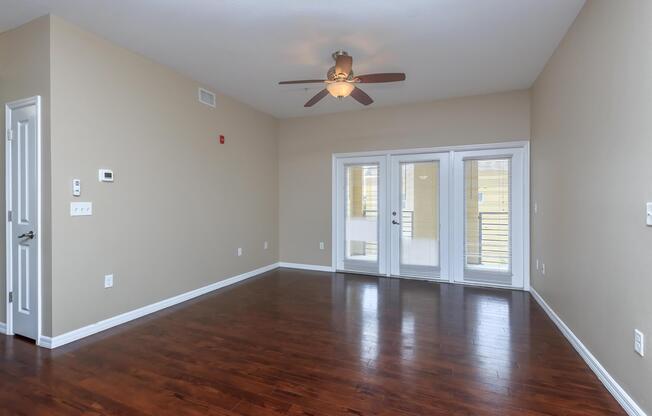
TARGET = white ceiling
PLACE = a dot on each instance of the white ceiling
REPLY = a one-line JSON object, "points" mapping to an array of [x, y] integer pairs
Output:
{"points": [[242, 48]]}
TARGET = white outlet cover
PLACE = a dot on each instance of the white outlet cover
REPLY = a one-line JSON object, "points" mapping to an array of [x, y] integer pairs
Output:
{"points": [[108, 281], [321, 245], [265, 245], [239, 251]]}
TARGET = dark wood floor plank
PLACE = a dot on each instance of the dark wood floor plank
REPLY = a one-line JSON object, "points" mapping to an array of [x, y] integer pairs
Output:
{"points": [[308, 343]]}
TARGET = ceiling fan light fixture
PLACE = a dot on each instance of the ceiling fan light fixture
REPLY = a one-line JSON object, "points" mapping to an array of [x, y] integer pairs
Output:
{"points": [[340, 89]]}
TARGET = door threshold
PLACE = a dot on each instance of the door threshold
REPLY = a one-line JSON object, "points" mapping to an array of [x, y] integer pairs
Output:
{"points": [[423, 279]]}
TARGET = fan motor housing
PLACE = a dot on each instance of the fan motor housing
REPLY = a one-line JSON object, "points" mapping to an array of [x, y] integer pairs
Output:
{"points": [[332, 76]]}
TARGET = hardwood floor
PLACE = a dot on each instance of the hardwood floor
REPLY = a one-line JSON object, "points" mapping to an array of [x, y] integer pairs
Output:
{"points": [[309, 343]]}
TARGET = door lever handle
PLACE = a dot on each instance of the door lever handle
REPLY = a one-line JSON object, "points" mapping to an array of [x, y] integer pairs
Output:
{"points": [[29, 235], [395, 222]]}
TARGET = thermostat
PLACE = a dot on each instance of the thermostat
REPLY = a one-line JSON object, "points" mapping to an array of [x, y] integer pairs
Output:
{"points": [[106, 175], [76, 187]]}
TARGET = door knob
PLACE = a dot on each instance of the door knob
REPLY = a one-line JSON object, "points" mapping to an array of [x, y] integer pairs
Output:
{"points": [[29, 235], [395, 222]]}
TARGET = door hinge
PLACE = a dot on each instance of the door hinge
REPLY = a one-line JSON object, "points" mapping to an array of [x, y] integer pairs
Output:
{"points": [[9, 216], [10, 134], [11, 297]]}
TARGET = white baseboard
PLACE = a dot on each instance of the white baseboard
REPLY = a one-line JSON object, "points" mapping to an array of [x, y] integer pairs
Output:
{"points": [[624, 399], [3, 328], [88, 330], [306, 267]]}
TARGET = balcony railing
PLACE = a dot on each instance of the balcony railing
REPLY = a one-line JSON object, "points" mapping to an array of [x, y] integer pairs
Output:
{"points": [[493, 237]]}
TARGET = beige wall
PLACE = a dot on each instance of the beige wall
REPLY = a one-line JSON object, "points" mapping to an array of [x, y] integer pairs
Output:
{"points": [[307, 144], [591, 178], [181, 203], [25, 72]]}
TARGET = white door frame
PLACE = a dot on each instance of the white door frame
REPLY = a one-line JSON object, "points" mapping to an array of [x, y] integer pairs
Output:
{"points": [[517, 144], [9, 108]]}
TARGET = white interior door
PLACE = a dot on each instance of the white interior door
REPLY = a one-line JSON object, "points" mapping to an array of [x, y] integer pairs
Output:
{"points": [[489, 209], [22, 217], [361, 214], [419, 215]]}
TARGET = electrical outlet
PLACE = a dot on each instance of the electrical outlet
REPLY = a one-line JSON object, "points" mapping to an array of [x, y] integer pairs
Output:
{"points": [[321, 245], [108, 281], [265, 245], [543, 268], [239, 251], [639, 342]]}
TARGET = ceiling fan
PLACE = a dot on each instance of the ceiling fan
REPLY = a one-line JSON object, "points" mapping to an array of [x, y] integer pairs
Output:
{"points": [[340, 81]]}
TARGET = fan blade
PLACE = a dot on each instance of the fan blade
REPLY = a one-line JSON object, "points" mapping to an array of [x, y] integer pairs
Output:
{"points": [[386, 77], [343, 65], [302, 81], [361, 96], [321, 94]]}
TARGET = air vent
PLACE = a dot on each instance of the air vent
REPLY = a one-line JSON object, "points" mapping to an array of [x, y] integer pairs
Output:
{"points": [[207, 97]]}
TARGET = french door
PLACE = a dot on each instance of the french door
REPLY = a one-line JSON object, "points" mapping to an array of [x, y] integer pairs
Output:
{"points": [[362, 214], [418, 203], [456, 215]]}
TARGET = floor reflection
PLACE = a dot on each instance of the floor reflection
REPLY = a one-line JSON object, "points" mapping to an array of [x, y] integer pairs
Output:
{"points": [[408, 339], [369, 324], [424, 322], [491, 334]]}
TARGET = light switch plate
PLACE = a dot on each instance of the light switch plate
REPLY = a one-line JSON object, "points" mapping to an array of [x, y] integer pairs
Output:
{"points": [[649, 213], [108, 281], [639, 343], [78, 209]]}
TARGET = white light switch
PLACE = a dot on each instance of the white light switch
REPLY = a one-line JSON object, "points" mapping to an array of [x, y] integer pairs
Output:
{"points": [[81, 208], [108, 281], [649, 213], [639, 343]]}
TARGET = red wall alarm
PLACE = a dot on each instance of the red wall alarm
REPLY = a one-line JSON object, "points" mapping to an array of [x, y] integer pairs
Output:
{"points": [[221, 139]]}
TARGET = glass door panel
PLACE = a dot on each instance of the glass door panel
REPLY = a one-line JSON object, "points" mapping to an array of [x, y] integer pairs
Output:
{"points": [[416, 215], [361, 213], [487, 216]]}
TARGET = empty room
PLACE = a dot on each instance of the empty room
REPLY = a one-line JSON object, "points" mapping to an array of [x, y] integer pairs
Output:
{"points": [[250, 207]]}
